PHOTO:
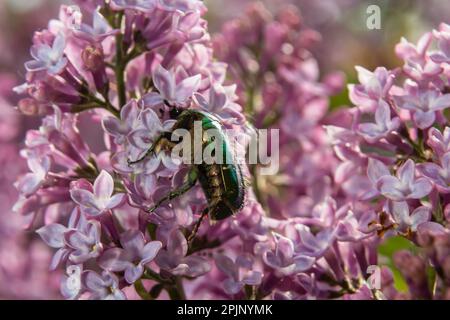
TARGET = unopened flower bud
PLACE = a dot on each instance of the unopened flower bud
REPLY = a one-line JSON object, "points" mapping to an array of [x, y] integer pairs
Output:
{"points": [[28, 107], [92, 58]]}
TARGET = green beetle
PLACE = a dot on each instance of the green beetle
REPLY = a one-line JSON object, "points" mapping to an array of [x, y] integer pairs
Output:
{"points": [[222, 183]]}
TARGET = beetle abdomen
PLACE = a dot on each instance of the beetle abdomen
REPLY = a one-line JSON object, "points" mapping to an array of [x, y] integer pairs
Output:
{"points": [[222, 182]]}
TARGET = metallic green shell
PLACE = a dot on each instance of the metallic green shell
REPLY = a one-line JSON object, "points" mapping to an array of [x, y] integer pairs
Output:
{"points": [[232, 186]]}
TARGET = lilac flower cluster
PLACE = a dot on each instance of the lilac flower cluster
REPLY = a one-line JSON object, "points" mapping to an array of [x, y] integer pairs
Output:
{"points": [[394, 154], [23, 258], [347, 179], [120, 65]]}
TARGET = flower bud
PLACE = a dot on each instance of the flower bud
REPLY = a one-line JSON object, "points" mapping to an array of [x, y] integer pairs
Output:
{"points": [[28, 107], [92, 58]]}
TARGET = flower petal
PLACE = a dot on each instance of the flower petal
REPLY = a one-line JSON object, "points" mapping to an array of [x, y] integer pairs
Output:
{"points": [[114, 259], [133, 273], [103, 185], [150, 251], [376, 169], [53, 235], [165, 82]]}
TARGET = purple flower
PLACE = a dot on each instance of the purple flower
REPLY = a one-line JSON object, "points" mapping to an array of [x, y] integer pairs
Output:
{"points": [[170, 89], [48, 58], [151, 128], [102, 287], [418, 66], [401, 187], [217, 103], [99, 30], [285, 260], [78, 242], [409, 222], [383, 125], [314, 245], [439, 142], [410, 52], [173, 258], [53, 236], [438, 174], [99, 199], [181, 5], [424, 105], [373, 86], [129, 121], [239, 272], [351, 229], [31, 182], [143, 138], [133, 257], [71, 282], [139, 5], [85, 243], [443, 36]]}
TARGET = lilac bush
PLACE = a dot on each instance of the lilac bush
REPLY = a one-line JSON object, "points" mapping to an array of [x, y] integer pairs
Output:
{"points": [[349, 180]]}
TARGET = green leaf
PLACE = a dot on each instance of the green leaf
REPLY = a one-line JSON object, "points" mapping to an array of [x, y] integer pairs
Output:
{"points": [[387, 249]]}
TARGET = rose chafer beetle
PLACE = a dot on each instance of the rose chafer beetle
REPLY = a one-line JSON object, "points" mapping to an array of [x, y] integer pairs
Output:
{"points": [[222, 181]]}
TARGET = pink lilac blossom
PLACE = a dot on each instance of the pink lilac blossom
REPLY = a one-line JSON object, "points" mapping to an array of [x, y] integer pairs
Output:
{"points": [[403, 156], [24, 259], [347, 179]]}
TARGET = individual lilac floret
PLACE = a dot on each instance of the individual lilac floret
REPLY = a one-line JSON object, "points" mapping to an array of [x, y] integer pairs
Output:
{"points": [[71, 282], [284, 259], [174, 260], [217, 103], [85, 244], [99, 30], [439, 142], [53, 236], [139, 5], [240, 272], [99, 199], [383, 125], [424, 104], [373, 86], [170, 89], [129, 121], [407, 222], [314, 245], [133, 257], [418, 65], [102, 287], [182, 5], [438, 174], [143, 139], [443, 37], [78, 242], [50, 59], [31, 182], [401, 187]]}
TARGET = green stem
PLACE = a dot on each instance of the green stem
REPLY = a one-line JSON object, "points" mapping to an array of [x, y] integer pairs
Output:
{"points": [[94, 103], [176, 292], [141, 291], [120, 64]]}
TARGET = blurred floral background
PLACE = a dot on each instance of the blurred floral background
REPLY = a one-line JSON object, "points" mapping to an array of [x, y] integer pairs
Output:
{"points": [[342, 42]]}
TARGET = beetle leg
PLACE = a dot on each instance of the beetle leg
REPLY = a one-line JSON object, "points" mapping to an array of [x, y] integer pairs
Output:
{"points": [[205, 212], [190, 183], [197, 225], [161, 141]]}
